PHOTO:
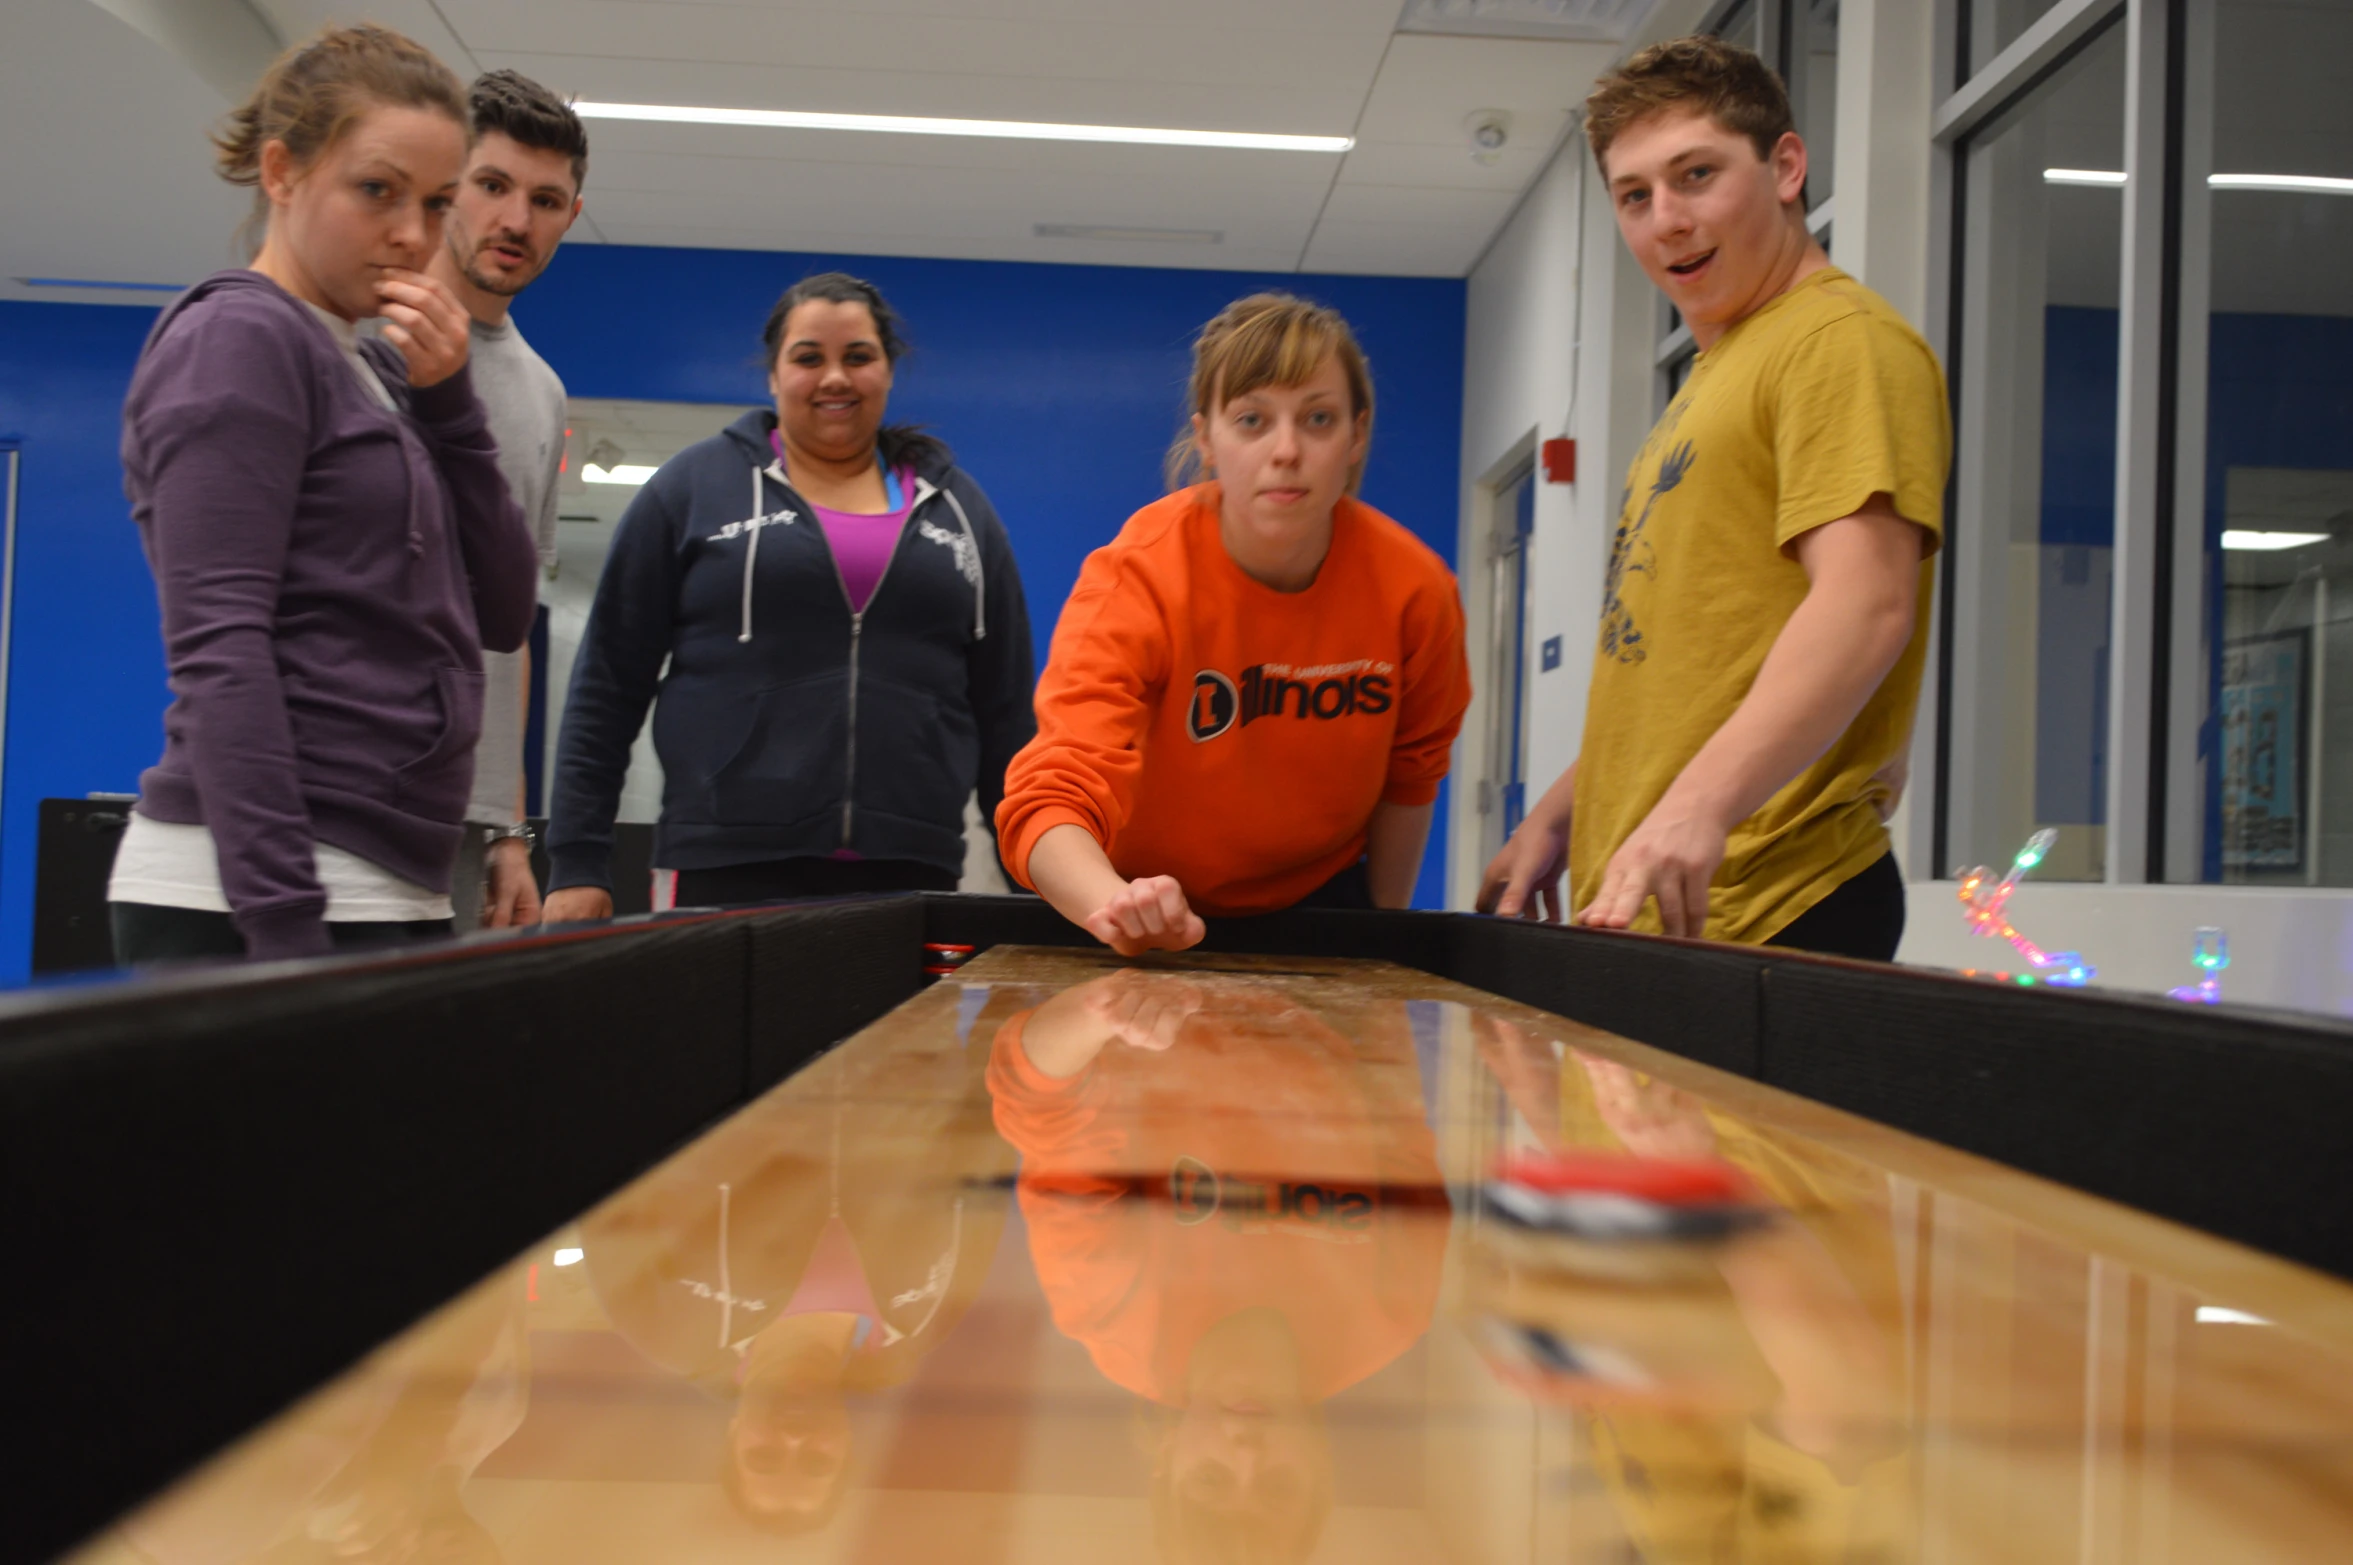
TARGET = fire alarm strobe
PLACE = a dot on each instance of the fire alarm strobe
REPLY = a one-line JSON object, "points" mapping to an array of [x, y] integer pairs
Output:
{"points": [[1560, 461]]}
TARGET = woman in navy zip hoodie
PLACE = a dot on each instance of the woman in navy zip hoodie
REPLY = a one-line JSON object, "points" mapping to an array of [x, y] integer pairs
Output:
{"points": [[332, 543], [848, 646]]}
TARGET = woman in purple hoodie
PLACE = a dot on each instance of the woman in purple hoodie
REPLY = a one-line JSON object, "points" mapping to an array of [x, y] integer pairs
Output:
{"points": [[331, 540]]}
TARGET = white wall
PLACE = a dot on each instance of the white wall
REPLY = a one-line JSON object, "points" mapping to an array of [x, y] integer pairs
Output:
{"points": [[1521, 350], [1561, 325]]}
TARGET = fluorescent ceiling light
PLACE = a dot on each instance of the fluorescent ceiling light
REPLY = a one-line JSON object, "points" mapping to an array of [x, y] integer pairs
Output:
{"points": [[912, 125], [619, 473], [570, 1255], [2298, 184], [2236, 539], [2216, 1315]]}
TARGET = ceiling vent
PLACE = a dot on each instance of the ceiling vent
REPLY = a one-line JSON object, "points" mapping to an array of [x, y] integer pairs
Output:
{"points": [[1118, 235], [1582, 20]]}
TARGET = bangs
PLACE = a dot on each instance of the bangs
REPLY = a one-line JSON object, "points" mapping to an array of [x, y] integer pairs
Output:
{"points": [[1268, 339], [1281, 348]]}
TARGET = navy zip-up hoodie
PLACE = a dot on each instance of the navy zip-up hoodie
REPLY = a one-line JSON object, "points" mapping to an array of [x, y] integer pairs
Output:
{"points": [[789, 727]]}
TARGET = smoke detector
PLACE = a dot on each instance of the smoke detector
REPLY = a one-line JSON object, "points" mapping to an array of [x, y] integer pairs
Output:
{"points": [[1488, 130]]}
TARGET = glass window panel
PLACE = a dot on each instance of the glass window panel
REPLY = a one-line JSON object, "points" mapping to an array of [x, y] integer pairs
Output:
{"points": [[1814, 94], [1739, 24], [1994, 25], [2035, 525], [1678, 372], [2276, 751]]}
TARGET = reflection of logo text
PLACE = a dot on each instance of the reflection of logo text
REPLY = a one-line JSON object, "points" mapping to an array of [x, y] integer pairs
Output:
{"points": [[1192, 1186], [1333, 1212]]}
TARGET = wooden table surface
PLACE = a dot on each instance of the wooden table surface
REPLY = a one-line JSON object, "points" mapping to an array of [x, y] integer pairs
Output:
{"points": [[1067, 1259]]}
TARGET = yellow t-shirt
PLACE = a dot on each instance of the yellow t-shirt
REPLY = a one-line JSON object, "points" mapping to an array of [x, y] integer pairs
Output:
{"points": [[1796, 417]]}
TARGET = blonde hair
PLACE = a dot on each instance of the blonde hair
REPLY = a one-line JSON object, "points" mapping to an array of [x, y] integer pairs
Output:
{"points": [[315, 92], [1268, 339]]}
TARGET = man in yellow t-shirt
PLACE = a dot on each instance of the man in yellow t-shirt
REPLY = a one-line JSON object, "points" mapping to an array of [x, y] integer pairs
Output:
{"points": [[1764, 621]]}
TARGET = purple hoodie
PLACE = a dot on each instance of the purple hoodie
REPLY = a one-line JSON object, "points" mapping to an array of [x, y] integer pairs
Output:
{"points": [[330, 573]]}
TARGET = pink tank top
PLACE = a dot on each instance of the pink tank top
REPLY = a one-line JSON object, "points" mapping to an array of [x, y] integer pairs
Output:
{"points": [[862, 544]]}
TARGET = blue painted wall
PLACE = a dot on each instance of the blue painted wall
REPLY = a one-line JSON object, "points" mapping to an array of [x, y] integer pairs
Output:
{"points": [[85, 687], [1059, 387]]}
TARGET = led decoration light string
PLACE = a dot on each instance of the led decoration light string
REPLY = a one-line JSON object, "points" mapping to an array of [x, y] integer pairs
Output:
{"points": [[1985, 902]]}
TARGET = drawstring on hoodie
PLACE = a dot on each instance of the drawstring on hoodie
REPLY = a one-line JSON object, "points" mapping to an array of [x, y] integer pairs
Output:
{"points": [[751, 555]]}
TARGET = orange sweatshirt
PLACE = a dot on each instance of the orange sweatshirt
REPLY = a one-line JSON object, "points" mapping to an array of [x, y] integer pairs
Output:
{"points": [[1203, 725]]}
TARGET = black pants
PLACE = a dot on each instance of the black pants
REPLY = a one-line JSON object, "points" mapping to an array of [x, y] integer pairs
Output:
{"points": [[779, 880], [1863, 918], [145, 933], [1350, 891]]}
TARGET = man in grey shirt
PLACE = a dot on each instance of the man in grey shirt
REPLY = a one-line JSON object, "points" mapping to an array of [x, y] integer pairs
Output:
{"points": [[519, 196]]}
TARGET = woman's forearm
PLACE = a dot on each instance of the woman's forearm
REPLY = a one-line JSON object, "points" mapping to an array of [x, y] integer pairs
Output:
{"points": [[1393, 851], [1072, 872]]}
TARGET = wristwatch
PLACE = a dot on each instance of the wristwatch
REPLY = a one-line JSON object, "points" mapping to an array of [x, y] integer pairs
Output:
{"points": [[519, 832]]}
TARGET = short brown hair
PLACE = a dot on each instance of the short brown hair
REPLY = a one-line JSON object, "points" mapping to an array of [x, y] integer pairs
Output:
{"points": [[1268, 339], [1727, 83], [529, 115], [316, 91]]}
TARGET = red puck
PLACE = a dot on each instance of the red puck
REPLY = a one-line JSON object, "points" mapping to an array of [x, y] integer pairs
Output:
{"points": [[1665, 1181]]}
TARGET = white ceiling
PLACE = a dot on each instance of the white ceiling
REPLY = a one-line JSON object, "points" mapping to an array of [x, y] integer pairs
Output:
{"points": [[127, 195]]}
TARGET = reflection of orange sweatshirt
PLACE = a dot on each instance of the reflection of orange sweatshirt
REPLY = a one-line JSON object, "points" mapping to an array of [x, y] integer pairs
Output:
{"points": [[1263, 1163], [1202, 725]]}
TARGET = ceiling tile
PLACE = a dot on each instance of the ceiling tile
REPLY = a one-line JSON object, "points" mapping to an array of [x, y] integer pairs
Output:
{"points": [[1399, 249], [844, 242], [1408, 198], [1319, 106], [1166, 46], [1453, 210], [1427, 86], [1447, 165]]}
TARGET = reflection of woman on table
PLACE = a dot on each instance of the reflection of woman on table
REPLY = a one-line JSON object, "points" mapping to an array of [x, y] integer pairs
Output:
{"points": [[814, 1248], [1237, 1211], [1771, 1427]]}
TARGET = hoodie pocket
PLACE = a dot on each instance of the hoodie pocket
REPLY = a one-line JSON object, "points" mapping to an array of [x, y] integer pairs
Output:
{"points": [[439, 781], [917, 754], [789, 759]]}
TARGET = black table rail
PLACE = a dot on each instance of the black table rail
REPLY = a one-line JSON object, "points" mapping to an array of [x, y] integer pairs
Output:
{"points": [[224, 1186]]}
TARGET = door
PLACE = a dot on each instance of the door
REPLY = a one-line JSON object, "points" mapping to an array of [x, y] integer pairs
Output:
{"points": [[1503, 793]]}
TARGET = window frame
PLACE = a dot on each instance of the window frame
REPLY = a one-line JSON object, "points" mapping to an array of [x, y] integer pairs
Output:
{"points": [[2153, 778]]}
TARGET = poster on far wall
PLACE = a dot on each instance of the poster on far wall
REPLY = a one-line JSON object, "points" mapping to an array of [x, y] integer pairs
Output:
{"points": [[2263, 720]]}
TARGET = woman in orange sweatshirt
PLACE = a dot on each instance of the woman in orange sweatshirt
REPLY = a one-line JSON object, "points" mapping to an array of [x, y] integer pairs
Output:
{"points": [[1253, 690]]}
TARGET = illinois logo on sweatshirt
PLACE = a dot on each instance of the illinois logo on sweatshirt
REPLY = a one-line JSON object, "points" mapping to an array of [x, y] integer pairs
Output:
{"points": [[1333, 690]]}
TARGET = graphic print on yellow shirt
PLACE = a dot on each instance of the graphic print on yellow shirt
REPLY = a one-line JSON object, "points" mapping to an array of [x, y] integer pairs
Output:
{"points": [[1631, 551], [1796, 417]]}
